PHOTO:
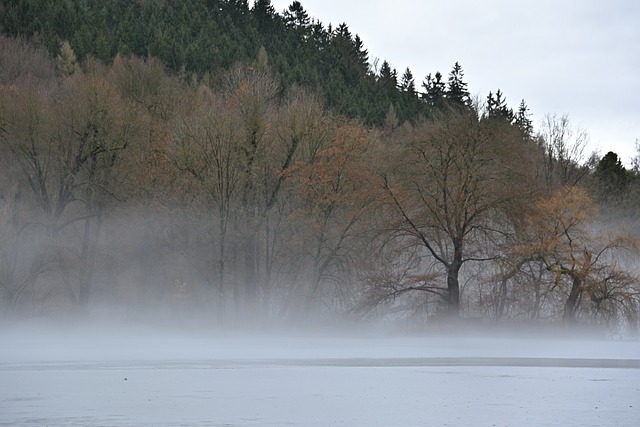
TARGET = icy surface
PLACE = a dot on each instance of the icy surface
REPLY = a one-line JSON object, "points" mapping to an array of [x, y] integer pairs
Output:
{"points": [[144, 379]]}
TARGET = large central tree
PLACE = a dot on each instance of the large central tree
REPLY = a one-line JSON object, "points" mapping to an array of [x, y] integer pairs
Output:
{"points": [[452, 185]]}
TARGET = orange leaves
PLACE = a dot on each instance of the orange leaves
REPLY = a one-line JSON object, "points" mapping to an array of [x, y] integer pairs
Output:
{"points": [[338, 177], [566, 208], [559, 222], [563, 232]]}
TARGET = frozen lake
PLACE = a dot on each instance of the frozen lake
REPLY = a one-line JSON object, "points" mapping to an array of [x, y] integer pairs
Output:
{"points": [[133, 379]]}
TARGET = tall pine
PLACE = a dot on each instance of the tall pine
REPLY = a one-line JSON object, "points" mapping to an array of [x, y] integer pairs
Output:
{"points": [[457, 93], [434, 92]]}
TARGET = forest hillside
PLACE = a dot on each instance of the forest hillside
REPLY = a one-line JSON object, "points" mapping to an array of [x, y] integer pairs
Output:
{"points": [[218, 162]]}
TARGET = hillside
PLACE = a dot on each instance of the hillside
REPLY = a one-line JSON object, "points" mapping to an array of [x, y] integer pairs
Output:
{"points": [[200, 39]]}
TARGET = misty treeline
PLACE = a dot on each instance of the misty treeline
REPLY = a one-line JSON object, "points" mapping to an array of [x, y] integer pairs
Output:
{"points": [[129, 186]]}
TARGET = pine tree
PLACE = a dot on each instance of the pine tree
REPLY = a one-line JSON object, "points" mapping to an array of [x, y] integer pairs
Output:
{"points": [[497, 107], [361, 55], [409, 105], [407, 84], [434, 94], [351, 48], [457, 93], [523, 121], [612, 176], [388, 77], [296, 17], [264, 14]]}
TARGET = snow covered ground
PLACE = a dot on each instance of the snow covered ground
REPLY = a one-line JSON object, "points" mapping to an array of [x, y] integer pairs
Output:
{"points": [[146, 379]]}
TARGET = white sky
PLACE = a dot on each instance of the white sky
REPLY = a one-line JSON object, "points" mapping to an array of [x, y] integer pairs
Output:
{"points": [[575, 57]]}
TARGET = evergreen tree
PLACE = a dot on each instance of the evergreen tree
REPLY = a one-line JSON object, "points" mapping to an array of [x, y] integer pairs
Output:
{"points": [[523, 121], [296, 17], [265, 15], [497, 107], [409, 105], [612, 177], [457, 93], [434, 94], [361, 55], [321, 36], [350, 52], [388, 77], [407, 84]]}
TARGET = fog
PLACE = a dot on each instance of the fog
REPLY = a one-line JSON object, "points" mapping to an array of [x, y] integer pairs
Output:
{"points": [[97, 373]]}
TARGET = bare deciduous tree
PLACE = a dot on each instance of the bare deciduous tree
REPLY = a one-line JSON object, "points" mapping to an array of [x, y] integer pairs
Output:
{"points": [[336, 193], [65, 137], [452, 185], [208, 145], [564, 148]]}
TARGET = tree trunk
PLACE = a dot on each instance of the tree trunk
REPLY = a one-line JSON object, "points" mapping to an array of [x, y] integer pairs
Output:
{"points": [[87, 260], [453, 288], [502, 298], [222, 228], [571, 304], [578, 278], [250, 265]]}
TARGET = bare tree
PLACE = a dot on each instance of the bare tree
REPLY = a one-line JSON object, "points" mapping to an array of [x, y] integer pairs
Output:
{"points": [[564, 149], [635, 162], [301, 130], [250, 91], [208, 145], [21, 61], [336, 194], [451, 185], [65, 138]]}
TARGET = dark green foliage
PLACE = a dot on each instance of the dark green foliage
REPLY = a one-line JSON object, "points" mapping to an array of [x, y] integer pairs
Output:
{"points": [[410, 105], [407, 83], [201, 38], [388, 77], [440, 96], [298, 18], [612, 177], [204, 37], [523, 121], [457, 93], [434, 95], [497, 107], [497, 110]]}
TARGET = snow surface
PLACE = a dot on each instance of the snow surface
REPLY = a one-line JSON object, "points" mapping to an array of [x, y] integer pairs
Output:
{"points": [[145, 379]]}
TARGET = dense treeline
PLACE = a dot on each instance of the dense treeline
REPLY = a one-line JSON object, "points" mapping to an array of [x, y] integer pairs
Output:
{"points": [[201, 38], [234, 192]]}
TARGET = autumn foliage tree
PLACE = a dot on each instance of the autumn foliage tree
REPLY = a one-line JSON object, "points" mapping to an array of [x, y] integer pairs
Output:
{"points": [[336, 194], [583, 259]]}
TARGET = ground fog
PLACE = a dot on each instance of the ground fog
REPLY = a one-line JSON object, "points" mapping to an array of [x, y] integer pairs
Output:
{"points": [[139, 376]]}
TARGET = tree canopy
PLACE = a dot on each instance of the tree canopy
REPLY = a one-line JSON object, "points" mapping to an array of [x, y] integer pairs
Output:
{"points": [[202, 38]]}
